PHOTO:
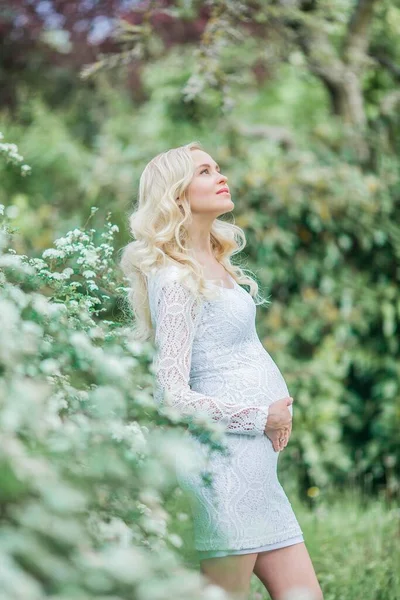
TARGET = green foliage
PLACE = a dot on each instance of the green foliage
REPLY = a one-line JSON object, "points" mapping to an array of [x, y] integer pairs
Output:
{"points": [[322, 238], [86, 462], [352, 540], [86, 459]]}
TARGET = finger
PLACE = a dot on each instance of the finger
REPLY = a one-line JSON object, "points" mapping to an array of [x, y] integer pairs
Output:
{"points": [[280, 434], [281, 441], [284, 441], [274, 436]]}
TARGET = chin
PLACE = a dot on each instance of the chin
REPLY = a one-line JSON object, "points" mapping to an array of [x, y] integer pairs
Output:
{"points": [[228, 209]]}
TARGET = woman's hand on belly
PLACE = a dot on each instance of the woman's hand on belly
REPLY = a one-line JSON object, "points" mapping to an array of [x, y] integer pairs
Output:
{"points": [[279, 423], [279, 437]]}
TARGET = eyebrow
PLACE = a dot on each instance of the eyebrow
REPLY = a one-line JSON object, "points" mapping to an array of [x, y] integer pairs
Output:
{"points": [[207, 165]]}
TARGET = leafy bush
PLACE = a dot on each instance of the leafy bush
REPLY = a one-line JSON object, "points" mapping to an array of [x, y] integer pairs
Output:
{"points": [[87, 459]]}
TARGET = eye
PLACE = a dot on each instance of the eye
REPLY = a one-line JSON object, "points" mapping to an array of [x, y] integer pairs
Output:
{"points": [[206, 169]]}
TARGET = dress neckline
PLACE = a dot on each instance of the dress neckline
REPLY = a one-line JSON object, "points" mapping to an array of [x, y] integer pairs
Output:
{"points": [[223, 287]]}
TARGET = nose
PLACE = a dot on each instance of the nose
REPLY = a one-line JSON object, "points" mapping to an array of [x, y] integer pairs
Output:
{"points": [[222, 178]]}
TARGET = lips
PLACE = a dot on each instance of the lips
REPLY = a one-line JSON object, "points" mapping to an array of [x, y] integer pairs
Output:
{"points": [[224, 189]]}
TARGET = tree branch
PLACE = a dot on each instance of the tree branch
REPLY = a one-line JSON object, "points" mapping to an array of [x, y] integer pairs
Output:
{"points": [[391, 67], [356, 41]]}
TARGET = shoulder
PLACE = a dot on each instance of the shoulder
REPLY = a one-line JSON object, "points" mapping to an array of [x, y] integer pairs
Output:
{"points": [[169, 292], [172, 282], [172, 285], [164, 276]]}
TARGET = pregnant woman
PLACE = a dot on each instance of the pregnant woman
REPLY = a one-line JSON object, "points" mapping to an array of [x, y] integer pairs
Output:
{"points": [[186, 293]]}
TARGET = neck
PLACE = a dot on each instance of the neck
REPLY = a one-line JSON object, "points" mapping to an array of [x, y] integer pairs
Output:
{"points": [[199, 240]]}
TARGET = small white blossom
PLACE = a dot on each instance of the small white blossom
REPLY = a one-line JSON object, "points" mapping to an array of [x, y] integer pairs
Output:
{"points": [[175, 540], [15, 262], [49, 366], [56, 276], [25, 170], [118, 562], [115, 530], [31, 328], [12, 211], [215, 592], [182, 516], [89, 257], [155, 525], [55, 308], [53, 253], [80, 341], [60, 242], [38, 263]]}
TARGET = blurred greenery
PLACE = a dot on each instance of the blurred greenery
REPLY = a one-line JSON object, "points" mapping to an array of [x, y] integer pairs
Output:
{"points": [[352, 539]]}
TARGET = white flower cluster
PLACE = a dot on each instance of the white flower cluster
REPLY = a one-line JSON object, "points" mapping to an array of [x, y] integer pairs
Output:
{"points": [[13, 261], [79, 429], [92, 263], [115, 530], [133, 433], [10, 152]]}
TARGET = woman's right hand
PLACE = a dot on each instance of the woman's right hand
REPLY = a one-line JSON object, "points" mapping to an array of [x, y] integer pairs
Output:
{"points": [[279, 423]]}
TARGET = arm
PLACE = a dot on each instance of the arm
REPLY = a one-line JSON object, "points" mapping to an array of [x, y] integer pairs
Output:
{"points": [[176, 313]]}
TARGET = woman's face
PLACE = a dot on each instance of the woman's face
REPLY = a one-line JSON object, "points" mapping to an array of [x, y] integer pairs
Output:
{"points": [[206, 190]]}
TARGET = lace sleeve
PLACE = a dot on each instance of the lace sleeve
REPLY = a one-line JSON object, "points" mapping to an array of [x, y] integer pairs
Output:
{"points": [[176, 313]]}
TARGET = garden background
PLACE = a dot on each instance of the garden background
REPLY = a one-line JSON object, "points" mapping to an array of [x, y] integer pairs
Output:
{"points": [[299, 102]]}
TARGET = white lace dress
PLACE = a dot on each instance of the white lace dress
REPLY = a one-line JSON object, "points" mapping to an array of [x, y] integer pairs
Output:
{"points": [[210, 358]]}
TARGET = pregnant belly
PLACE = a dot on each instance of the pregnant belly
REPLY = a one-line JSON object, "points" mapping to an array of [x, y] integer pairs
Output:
{"points": [[253, 379], [249, 461]]}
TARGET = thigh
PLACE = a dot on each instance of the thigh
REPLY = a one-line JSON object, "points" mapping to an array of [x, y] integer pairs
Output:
{"points": [[285, 569], [232, 573]]}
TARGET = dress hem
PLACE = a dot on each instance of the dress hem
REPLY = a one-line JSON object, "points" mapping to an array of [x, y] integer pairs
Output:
{"points": [[255, 543]]}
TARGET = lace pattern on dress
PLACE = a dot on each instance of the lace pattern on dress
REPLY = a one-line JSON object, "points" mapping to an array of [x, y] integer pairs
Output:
{"points": [[175, 314]]}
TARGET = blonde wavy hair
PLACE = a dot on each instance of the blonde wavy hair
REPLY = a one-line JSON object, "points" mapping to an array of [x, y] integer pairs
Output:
{"points": [[158, 226]]}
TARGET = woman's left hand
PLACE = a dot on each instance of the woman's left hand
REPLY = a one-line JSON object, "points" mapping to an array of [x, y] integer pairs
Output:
{"points": [[279, 437]]}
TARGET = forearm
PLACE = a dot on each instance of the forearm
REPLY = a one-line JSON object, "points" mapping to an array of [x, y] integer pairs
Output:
{"points": [[237, 418]]}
